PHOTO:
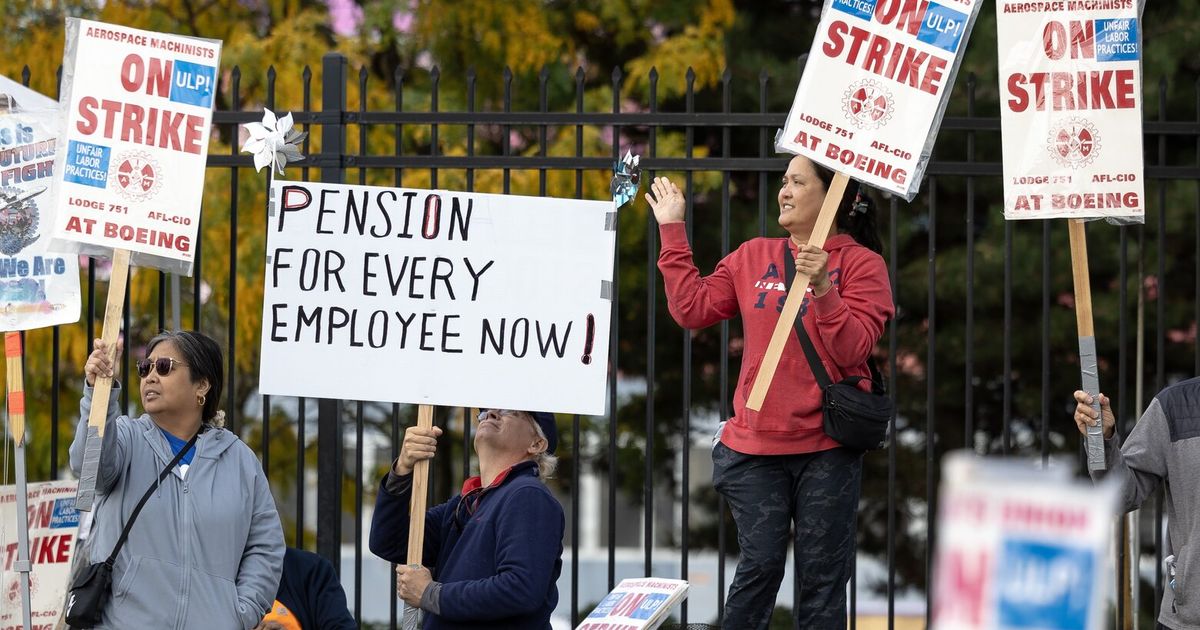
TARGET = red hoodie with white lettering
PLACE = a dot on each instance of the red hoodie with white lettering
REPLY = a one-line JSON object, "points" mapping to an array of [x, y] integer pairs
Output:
{"points": [[844, 324]]}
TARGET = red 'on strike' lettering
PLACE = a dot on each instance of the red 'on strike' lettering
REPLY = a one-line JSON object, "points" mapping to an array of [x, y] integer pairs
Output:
{"points": [[961, 578], [893, 60], [134, 75], [1071, 91], [1081, 43], [910, 14], [151, 126], [627, 605]]}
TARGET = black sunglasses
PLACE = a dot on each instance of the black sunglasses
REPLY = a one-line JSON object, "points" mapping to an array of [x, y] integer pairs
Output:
{"points": [[162, 365]]}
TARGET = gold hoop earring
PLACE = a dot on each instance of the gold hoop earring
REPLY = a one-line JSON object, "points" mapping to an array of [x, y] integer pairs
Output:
{"points": [[200, 399]]}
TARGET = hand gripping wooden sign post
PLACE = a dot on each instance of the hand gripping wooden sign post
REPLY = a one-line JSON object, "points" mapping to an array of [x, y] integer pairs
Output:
{"points": [[38, 288], [1071, 120], [1071, 117], [138, 109], [868, 107]]}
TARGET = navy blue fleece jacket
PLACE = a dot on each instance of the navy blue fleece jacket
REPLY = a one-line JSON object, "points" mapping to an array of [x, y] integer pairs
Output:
{"points": [[312, 592], [498, 567]]}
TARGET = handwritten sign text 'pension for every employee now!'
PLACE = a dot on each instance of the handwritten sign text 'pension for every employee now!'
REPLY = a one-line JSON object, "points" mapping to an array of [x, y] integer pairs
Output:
{"points": [[437, 297]]}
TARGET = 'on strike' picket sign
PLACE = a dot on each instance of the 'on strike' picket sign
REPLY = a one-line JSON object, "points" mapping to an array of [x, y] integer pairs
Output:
{"points": [[53, 526], [138, 116], [875, 87], [437, 297], [1071, 88], [1020, 548]]}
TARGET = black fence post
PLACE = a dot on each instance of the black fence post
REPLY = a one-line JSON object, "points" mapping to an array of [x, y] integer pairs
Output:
{"points": [[329, 412]]}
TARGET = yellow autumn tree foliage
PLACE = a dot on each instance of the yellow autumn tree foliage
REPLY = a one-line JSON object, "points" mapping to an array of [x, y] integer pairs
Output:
{"points": [[272, 55]]}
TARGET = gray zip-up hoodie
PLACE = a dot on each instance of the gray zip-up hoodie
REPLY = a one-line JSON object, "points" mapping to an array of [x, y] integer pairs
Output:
{"points": [[1164, 447], [207, 549]]}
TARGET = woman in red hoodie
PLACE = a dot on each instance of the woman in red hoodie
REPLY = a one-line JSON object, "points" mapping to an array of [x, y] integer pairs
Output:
{"points": [[776, 466]]}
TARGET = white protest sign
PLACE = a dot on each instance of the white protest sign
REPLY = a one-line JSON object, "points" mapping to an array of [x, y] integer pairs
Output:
{"points": [[875, 87], [138, 116], [53, 525], [37, 288], [436, 297], [1071, 109], [636, 604], [1019, 548]]}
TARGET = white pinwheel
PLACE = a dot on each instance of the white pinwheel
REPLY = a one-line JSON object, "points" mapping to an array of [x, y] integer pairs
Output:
{"points": [[273, 141]]}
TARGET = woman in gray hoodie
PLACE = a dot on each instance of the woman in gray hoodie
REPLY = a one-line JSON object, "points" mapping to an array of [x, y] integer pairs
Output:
{"points": [[207, 549]]}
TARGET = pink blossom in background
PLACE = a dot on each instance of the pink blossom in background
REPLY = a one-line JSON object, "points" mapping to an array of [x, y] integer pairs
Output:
{"points": [[1183, 336], [516, 141], [402, 21], [909, 363], [345, 16], [658, 31], [103, 266]]}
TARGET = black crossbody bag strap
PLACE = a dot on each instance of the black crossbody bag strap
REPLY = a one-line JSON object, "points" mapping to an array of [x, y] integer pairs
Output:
{"points": [[146, 497], [810, 351]]}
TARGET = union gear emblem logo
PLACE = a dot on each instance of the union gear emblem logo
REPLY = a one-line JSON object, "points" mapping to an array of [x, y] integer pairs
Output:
{"points": [[867, 104], [19, 218], [1074, 143], [138, 176]]}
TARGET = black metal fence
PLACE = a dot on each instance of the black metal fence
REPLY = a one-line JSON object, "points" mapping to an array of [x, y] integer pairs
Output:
{"points": [[980, 353]]}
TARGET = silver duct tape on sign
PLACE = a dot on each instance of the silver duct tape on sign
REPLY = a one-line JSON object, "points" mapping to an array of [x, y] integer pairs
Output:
{"points": [[1094, 443]]}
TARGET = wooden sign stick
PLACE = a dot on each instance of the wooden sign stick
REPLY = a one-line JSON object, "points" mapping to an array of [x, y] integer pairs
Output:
{"points": [[16, 426], [795, 297], [113, 310], [416, 516], [1094, 442]]}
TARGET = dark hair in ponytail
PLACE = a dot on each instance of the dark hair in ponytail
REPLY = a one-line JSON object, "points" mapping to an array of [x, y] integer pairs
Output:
{"points": [[856, 212]]}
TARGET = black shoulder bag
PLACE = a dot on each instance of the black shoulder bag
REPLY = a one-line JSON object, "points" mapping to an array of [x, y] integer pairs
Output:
{"points": [[856, 419], [91, 589]]}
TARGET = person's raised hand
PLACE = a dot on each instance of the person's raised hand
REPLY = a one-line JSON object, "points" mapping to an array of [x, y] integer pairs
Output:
{"points": [[667, 201], [101, 362], [418, 444], [1085, 415]]}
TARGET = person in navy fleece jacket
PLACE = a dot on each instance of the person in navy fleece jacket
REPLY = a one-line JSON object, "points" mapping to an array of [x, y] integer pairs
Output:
{"points": [[311, 594], [495, 549]]}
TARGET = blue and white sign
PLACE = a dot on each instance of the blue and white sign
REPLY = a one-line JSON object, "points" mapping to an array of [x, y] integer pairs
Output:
{"points": [[1043, 585], [1020, 548], [193, 84], [943, 27], [39, 287]]}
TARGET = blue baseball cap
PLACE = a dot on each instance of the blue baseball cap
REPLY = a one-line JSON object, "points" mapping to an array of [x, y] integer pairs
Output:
{"points": [[549, 428]]}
